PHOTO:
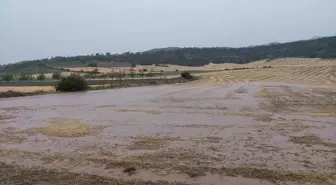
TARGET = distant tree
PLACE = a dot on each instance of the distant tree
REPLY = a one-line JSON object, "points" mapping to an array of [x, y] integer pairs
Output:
{"points": [[24, 76], [94, 73], [324, 47], [111, 74], [8, 77], [120, 75], [132, 72], [92, 64], [142, 72], [150, 74], [41, 77], [108, 54], [56, 75]]}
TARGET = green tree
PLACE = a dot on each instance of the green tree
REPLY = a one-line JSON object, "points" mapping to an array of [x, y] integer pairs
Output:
{"points": [[151, 73], [56, 75], [94, 73], [24, 76], [111, 75], [92, 64], [8, 77], [41, 77], [132, 72], [120, 76], [186, 75], [142, 72]]}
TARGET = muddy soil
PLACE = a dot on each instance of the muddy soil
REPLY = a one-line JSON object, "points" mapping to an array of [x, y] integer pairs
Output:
{"points": [[241, 133]]}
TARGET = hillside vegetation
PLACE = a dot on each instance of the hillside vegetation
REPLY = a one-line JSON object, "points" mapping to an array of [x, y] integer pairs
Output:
{"points": [[324, 47]]}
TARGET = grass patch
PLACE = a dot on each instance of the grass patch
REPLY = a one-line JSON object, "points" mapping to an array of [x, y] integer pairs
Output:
{"points": [[264, 93], [8, 138], [220, 127], [264, 118], [210, 139], [15, 108], [21, 176], [289, 127], [241, 90], [184, 162], [311, 140], [276, 175], [64, 127], [299, 101], [150, 142], [5, 117], [105, 106], [228, 95], [196, 107], [138, 110]]}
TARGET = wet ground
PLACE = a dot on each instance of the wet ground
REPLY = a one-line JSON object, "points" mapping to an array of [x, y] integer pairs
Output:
{"points": [[242, 133]]}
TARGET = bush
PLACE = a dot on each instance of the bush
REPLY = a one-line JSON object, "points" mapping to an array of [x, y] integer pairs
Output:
{"points": [[186, 75], [72, 83], [10, 94]]}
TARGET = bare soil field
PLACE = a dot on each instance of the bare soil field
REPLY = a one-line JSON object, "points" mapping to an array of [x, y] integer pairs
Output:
{"points": [[295, 71], [27, 88], [200, 133], [289, 70]]}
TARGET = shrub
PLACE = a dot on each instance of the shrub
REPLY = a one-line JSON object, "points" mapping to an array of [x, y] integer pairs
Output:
{"points": [[186, 75], [72, 83], [10, 94]]}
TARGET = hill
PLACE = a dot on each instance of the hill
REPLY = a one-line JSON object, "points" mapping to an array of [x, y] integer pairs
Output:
{"points": [[324, 47], [161, 49]]}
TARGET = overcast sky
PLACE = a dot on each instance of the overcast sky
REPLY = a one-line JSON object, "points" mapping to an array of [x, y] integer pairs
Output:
{"points": [[32, 29]]}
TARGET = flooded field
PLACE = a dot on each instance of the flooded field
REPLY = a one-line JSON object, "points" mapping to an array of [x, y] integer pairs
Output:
{"points": [[241, 133]]}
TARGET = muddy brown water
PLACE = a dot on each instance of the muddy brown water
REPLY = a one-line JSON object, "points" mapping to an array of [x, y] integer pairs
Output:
{"points": [[216, 126]]}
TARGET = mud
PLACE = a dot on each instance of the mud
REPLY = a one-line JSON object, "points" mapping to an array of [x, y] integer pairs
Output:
{"points": [[241, 133]]}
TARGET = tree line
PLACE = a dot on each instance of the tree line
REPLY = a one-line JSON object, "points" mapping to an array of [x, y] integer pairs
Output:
{"points": [[324, 47]]}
